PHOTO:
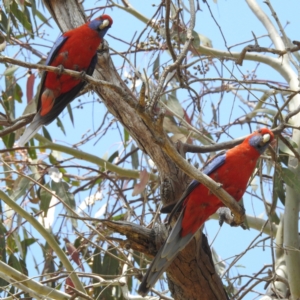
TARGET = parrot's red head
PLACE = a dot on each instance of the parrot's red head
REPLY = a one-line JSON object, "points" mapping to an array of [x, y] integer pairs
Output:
{"points": [[101, 25], [260, 139]]}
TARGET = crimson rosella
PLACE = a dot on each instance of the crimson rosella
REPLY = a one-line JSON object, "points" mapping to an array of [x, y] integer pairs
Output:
{"points": [[75, 50], [232, 169]]}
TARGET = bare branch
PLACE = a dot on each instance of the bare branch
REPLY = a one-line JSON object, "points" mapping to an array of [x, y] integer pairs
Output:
{"points": [[170, 68]]}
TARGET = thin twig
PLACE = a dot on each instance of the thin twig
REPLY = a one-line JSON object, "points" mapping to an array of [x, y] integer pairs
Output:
{"points": [[179, 59]]}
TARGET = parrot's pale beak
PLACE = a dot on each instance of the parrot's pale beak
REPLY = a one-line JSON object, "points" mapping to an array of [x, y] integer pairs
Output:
{"points": [[265, 139], [104, 24]]}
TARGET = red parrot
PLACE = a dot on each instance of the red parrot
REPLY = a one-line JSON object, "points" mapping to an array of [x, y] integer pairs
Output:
{"points": [[75, 50], [232, 169]]}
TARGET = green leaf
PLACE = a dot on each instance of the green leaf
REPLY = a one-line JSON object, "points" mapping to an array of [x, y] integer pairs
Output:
{"points": [[215, 116], [134, 157], [49, 268], [278, 190], [283, 158], [26, 243], [174, 105], [110, 263], [240, 266], [75, 182], [31, 151], [3, 232], [23, 266], [7, 5], [196, 42], [57, 155], [60, 125], [8, 95], [174, 9], [31, 107], [97, 269], [9, 140], [29, 23], [5, 140], [156, 66], [69, 108], [13, 21], [21, 16], [3, 43], [8, 29], [198, 39], [3, 21], [126, 136], [47, 134], [65, 178], [110, 266], [32, 5], [291, 179], [42, 17], [10, 244], [14, 263], [285, 149], [120, 217], [45, 198], [62, 191], [21, 185], [113, 156], [97, 261], [52, 159]]}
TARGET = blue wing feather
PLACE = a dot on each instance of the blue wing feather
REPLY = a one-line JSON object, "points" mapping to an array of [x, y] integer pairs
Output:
{"points": [[215, 163], [212, 165], [64, 99], [55, 48]]}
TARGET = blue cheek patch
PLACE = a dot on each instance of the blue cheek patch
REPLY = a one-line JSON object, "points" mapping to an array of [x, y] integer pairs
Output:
{"points": [[255, 140]]}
